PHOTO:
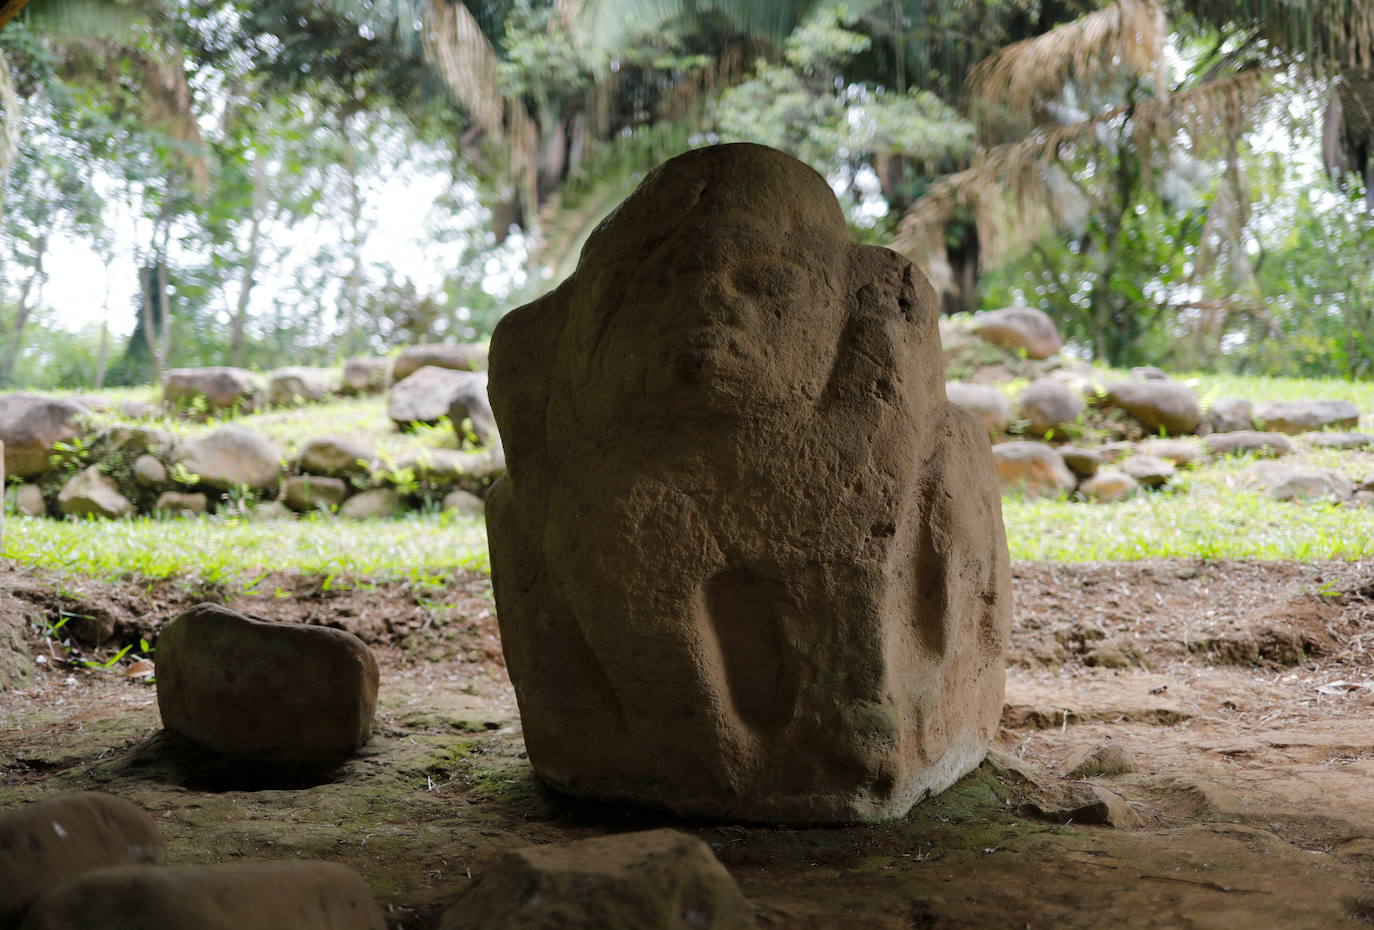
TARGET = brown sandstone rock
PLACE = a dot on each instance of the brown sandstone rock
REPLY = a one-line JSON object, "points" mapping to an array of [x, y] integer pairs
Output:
{"points": [[1032, 469], [181, 504], [138, 439], [221, 388], [1251, 441], [457, 357], [376, 504], [1343, 441], [30, 426], [990, 405], [427, 395], [1105, 759], [339, 456], [92, 493], [231, 896], [1109, 486], [1020, 329], [748, 560], [1048, 404], [659, 878], [1150, 470], [1300, 416], [233, 456], [464, 503], [44, 843], [28, 500], [304, 493], [274, 695], [1165, 405], [1231, 415], [1179, 451], [296, 385], [1082, 462], [149, 472], [365, 376]]}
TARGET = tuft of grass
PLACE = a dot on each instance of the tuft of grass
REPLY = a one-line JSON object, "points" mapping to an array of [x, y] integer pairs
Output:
{"points": [[419, 548]]}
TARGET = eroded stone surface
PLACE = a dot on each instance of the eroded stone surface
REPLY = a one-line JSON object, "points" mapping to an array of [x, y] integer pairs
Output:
{"points": [[339, 456], [1048, 404], [45, 843], [455, 357], [233, 456], [30, 426], [748, 560], [273, 695], [218, 387], [1165, 405], [1032, 469], [295, 384], [313, 492], [92, 493], [1020, 329], [989, 404], [658, 878], [427, 395], [229, 896], [1300, 416], [1249, 441]]}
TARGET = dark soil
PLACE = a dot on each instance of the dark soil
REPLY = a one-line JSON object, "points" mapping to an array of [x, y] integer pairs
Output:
{"points": [[1239, 695]]}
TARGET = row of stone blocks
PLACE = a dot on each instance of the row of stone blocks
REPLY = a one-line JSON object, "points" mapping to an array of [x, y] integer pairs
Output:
{"points": [[92, 861]]}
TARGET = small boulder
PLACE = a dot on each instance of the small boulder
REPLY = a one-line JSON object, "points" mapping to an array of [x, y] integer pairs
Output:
{"points": [[1150, 470], [228, 896], [138, 439], [659, 878], [287, 387], [376, 504], [269, 511], [425, 396], [1231, 415], [1179, 451], [338, 456], [446, 467], [471, 405], [1048, 405], [1106, 759], [1109, 486], [1082, 462], [93, 493], [1285, 483], [44, 843], [1248, 441], [274, 696], [365, 376], [1343, 441], [233, 456], [1019, 329], [1032, 469], [1148, 373], [28, 501], [181, 504], [31, 426], [149, 472], [1081, 803], [222, 388], [138, 410], [304, 493], [1361, 500], [1115, 451], [458, 357], [464, 503], [1165, 405], [988, 404], [1301, 416]]}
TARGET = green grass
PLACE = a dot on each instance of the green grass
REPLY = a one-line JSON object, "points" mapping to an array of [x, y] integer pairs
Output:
{"points": [[420, 548]]}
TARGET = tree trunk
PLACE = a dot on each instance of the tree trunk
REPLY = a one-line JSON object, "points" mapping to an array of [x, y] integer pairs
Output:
{"points": [[21, 317], [349, 301], [238, 334], [102, 361]]}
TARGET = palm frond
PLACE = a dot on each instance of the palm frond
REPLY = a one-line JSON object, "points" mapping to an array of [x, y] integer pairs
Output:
{"points": [[1329, 34], [454, 42], [1006, 191], [609, 23], [1010, 87]]}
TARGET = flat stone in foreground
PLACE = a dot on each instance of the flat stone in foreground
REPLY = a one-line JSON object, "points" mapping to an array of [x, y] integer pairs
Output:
{"points": [[230, 896], [272, 696]]}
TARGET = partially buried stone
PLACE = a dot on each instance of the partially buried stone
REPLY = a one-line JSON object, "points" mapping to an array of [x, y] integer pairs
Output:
{"points": [[659, 878], [305, 493], [230, 896], [376, 504], [44, 843], [149, 472], [748, 559], [1032, 469], [275, 696], [92, 493], [181, 503], [464, 503]]}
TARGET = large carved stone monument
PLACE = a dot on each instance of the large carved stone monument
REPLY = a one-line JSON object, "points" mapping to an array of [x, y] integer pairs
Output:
{"points": [[749, 562]]}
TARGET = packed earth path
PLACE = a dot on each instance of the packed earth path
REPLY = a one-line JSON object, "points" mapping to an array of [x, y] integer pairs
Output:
{"points": [[1184, 744]]}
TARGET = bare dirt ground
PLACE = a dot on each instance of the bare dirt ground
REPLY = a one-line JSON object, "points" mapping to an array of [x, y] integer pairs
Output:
{"points": [[1240, 696]]}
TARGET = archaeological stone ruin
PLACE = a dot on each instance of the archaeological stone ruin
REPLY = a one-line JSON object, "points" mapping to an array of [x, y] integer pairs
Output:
{"points": [[748, 560]]}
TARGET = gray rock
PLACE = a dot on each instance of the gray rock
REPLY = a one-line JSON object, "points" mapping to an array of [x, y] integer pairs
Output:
{"points": [[1019, 329], [990, 405], [149, 472], [1109, 486], [275, 696], [233, 456], [177, 502], [1149, 373], [138, 439], [1301, 416], [1032, 469], [138, 410], [1289, 483], [1231, 415], [1250, 442], [365, 376], [28, 501], [446, 467], [1179, 451], [1361, 500], [471, 405], [661, 879], [1344, 441], [220, 388], [1115, 451], [1165, 405], [270, 511], [1082, 462], [48, 842], [465, 503], [1048, 405], [93, 493], [229, 896], [288, 387], [1150, 470], [456, 357], [338, 456], [376, 504], [425, 396], [30, 428], [304, 493]]}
